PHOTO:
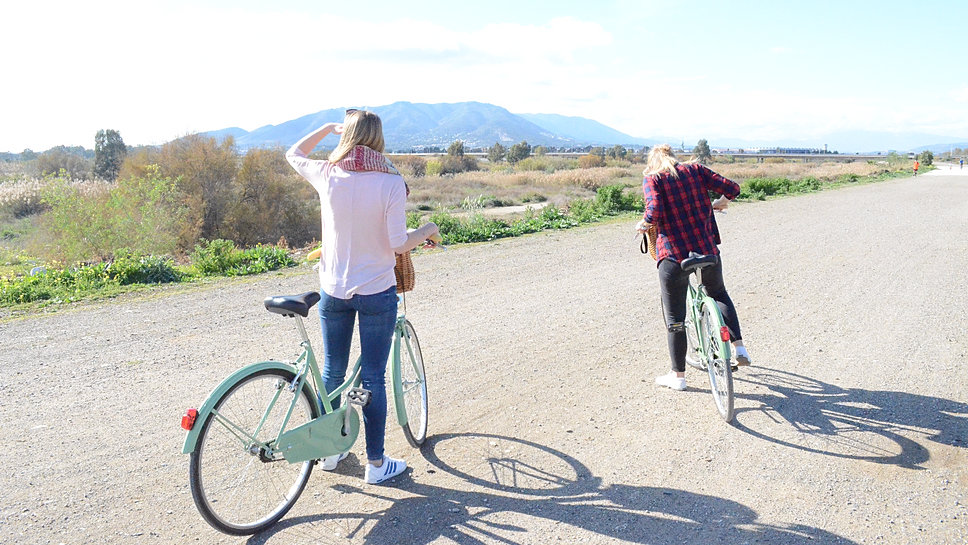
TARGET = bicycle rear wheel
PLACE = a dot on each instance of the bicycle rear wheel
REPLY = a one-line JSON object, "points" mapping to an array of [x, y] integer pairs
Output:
{"points": [[413, 386], [717, 359], [238, 487], [693, 346]]}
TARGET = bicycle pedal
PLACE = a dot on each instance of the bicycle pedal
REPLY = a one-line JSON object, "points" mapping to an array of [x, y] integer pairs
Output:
{"points": [[358, 396]]}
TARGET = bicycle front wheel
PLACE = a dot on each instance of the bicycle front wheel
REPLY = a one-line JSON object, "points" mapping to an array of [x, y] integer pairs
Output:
{"points": [[240, 487], [413, 386], [717, 359]]}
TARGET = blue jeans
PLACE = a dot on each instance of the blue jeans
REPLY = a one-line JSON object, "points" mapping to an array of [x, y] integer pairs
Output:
{"points": [[378, 315]]}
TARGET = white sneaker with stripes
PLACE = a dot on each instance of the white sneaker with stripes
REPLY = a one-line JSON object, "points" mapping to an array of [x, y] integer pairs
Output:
{"points": [[390, 468]]}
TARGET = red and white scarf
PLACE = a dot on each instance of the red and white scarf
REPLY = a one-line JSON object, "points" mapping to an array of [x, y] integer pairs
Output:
{"points": [[366, 159]]}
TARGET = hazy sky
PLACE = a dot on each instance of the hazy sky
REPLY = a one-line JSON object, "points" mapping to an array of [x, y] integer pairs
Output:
{"points": [[769, 70]]}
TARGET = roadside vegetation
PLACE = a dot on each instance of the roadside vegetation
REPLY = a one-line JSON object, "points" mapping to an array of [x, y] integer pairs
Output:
{"points": [[75, 225]]}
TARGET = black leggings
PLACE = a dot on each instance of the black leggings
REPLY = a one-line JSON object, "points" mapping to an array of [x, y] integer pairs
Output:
{"points": [[674, 283]]}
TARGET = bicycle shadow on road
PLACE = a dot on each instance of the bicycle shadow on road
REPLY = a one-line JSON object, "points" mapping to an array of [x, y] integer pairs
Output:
{"points": [[885, 427], [512, 491]]}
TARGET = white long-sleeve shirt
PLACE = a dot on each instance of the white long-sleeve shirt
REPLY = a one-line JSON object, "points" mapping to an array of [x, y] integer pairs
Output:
{"points": [[363, 219]]}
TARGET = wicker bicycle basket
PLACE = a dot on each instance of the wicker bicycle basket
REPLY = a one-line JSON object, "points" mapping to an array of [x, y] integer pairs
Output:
{"points": [[406, 277]]}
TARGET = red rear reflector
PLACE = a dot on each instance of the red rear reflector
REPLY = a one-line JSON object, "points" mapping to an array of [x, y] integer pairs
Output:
{"points": [[188, 421], [724, 333]]}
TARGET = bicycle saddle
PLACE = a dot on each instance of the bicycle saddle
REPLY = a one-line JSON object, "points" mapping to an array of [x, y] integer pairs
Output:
{"points": [[698, 261], [290, 305]]}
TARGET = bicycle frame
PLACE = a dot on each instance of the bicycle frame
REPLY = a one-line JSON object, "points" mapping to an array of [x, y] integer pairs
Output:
{"points": [[698, 298], [305, 365], [322, 433]]}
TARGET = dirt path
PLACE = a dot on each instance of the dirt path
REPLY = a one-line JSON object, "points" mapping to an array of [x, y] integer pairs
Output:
{"points": [[852, 427]]}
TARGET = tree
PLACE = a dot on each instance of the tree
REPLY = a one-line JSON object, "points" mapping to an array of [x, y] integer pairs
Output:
{"points": [[617, 152], [926, 158], [206, 170], [540, 151], [456, 149], [60, 159], [496, 153], [109, 152], [701, 151], [590, 160], [519, 151]]}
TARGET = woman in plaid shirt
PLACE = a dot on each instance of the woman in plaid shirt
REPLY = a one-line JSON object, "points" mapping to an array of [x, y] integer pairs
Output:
{"points": [[677, 202]]}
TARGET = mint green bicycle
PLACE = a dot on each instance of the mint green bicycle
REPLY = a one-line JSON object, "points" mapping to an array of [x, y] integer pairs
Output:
{"points": [[707, 338], [254, 441]]}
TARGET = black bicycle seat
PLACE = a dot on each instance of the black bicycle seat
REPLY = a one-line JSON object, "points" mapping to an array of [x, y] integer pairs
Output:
{"points": [[290, 305], [698, 261]]}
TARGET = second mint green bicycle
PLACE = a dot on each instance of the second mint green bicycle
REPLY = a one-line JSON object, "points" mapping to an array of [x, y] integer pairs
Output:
{"points": [[254, 441], [707, 338]]}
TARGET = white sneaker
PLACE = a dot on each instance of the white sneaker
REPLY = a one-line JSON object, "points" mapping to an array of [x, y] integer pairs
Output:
{"points": [[742, 356], [329, 463], [390, 469], [671, 381]]}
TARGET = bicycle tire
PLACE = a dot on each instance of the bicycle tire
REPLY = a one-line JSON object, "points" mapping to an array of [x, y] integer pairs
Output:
{"points": [[717, 359], [413, 381], [694, 356], [236, 489]]}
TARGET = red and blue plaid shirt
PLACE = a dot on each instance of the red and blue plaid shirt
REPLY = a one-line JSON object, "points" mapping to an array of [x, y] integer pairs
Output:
{"points": [[682, 212]]}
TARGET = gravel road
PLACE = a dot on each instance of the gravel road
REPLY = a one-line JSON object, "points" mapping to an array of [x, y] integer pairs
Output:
{"points": [[546, 427]]}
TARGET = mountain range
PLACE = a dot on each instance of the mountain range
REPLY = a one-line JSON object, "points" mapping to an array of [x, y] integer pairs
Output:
{"points": [[411, 126], [408, 126]]}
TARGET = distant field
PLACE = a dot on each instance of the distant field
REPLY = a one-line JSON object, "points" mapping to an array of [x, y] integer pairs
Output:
{"points": [[498, 185]]}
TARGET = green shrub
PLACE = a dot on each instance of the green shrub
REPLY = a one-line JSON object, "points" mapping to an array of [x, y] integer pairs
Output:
{"points": [[533, 197], [413, 166], [413, 219], [74, 283], [128, 268], [591, 161], [848, 178], [539, 164], [221, 258], [142, 214], [434, 168], [764, 186]]}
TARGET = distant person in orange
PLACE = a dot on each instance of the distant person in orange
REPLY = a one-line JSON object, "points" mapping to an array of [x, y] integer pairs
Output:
{"points": [[916, 165]]}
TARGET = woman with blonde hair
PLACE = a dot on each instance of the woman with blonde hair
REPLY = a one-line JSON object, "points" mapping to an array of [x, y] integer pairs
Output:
{"points": [[362, 202], [677, 203]]}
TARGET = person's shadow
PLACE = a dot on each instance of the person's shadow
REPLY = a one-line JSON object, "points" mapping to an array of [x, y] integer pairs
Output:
{"points": [[504, 479], [878, 426]]}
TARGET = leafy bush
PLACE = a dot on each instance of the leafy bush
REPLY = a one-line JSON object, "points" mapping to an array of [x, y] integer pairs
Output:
{"points": [[434, 167], [142, 214], [74, 283], [533, 197], [849, 178], [272, 202], [128, 268], [410, 165], [413, 219], [221, 258], [591, 161]]}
